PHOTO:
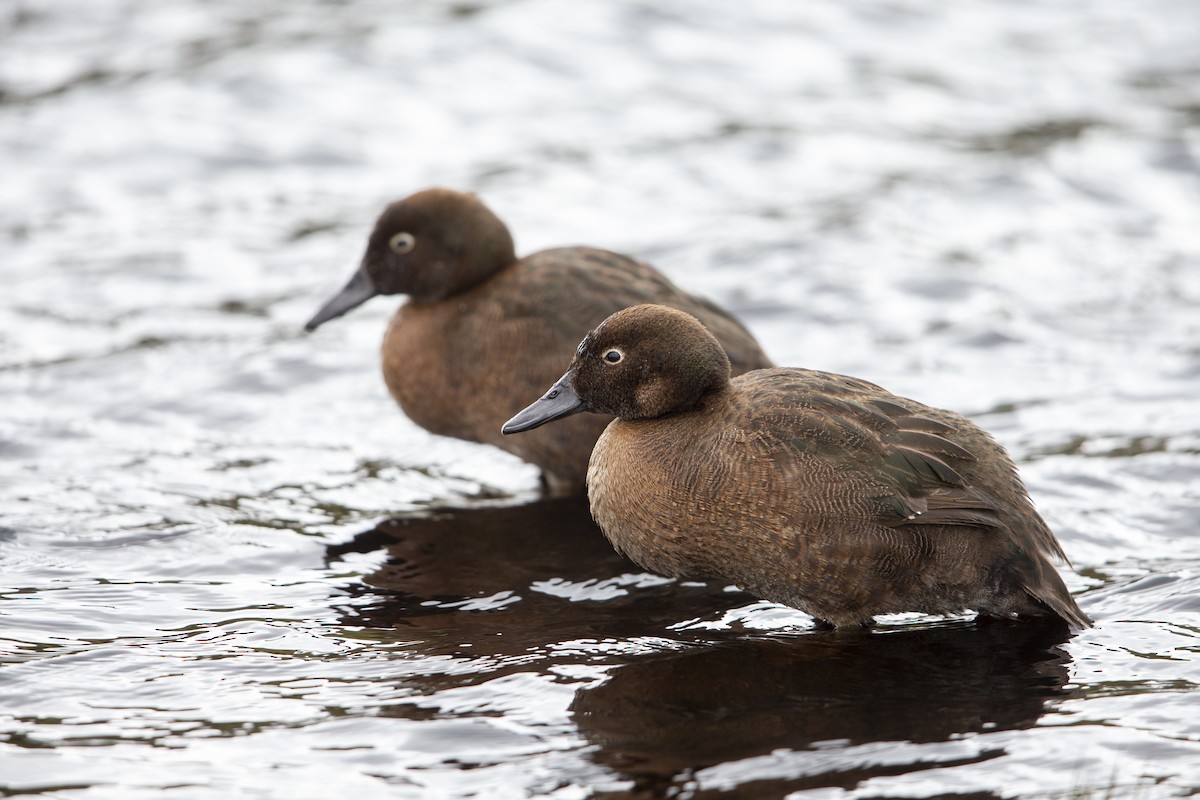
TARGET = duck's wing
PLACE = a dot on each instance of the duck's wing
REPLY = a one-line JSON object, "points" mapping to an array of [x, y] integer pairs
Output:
{"points": [[581, 286], [920, 470], [921, 466]]}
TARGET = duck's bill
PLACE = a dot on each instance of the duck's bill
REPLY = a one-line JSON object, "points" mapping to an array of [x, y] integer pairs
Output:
{"points": [[561, 401], [358, 291]]}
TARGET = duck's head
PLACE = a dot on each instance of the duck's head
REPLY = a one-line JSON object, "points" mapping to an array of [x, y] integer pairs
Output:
{"points": [[431, 245], [643, 362]]}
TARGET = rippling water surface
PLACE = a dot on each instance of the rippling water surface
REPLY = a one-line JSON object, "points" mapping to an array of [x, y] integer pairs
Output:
{"points": [[230, 567]]}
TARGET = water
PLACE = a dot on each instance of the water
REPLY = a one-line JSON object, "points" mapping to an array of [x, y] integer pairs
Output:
{"points": [[989, 206]]}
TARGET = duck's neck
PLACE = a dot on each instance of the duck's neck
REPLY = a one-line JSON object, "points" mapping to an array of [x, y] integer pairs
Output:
{"points": [[714, 397], [464, 278]]}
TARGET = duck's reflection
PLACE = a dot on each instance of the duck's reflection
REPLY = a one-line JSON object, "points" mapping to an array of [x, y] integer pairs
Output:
{"points": [[516, 581], [660, 719]]}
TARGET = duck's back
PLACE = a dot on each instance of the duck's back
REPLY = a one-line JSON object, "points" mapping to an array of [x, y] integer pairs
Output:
{"points": [[832, 495], [462, 366]]}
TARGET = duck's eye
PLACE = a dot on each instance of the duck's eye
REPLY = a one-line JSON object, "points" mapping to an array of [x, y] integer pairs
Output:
{"points": [[402, 243], [613, 356]]}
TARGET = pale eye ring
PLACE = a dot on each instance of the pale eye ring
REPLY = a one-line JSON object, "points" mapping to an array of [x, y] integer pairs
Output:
{"points": [[402, 243], [614, 356]]}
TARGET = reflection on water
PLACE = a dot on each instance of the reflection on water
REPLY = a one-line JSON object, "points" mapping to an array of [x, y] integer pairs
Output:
{"points": [[661, 719], [511, 586]]}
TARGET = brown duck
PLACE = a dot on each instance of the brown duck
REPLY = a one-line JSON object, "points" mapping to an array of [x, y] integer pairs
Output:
{"points": [[816, 490], [482, 331]]}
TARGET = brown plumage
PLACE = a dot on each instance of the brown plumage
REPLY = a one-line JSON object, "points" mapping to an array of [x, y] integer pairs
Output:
{"points": [[816, 490], [482, 331]]}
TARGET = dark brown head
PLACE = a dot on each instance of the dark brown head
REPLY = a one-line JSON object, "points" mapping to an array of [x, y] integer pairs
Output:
{"points": [[643, 362], [432, 245]]}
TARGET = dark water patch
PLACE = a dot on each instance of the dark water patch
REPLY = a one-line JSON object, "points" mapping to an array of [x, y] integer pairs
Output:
{"points": [[1176, 155], [1034, 138], [240, 463], [1011, 406], [1190, 112], [1182, 77], [1110, 446], [943, 288], [486, 174], [1127, 688], [245, 308], [314, 228], [661, 719], [988, 340], [17, 790], [97, 76], [13, 450], [742, 127], [465, 10]]}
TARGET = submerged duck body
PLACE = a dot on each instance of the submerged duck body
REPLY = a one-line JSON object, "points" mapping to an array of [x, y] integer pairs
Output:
{"points": [[482, 331], [820, 491]]}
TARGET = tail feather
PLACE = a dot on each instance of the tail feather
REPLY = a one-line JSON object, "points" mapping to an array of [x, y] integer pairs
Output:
{"points": [[1058, 600]]}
